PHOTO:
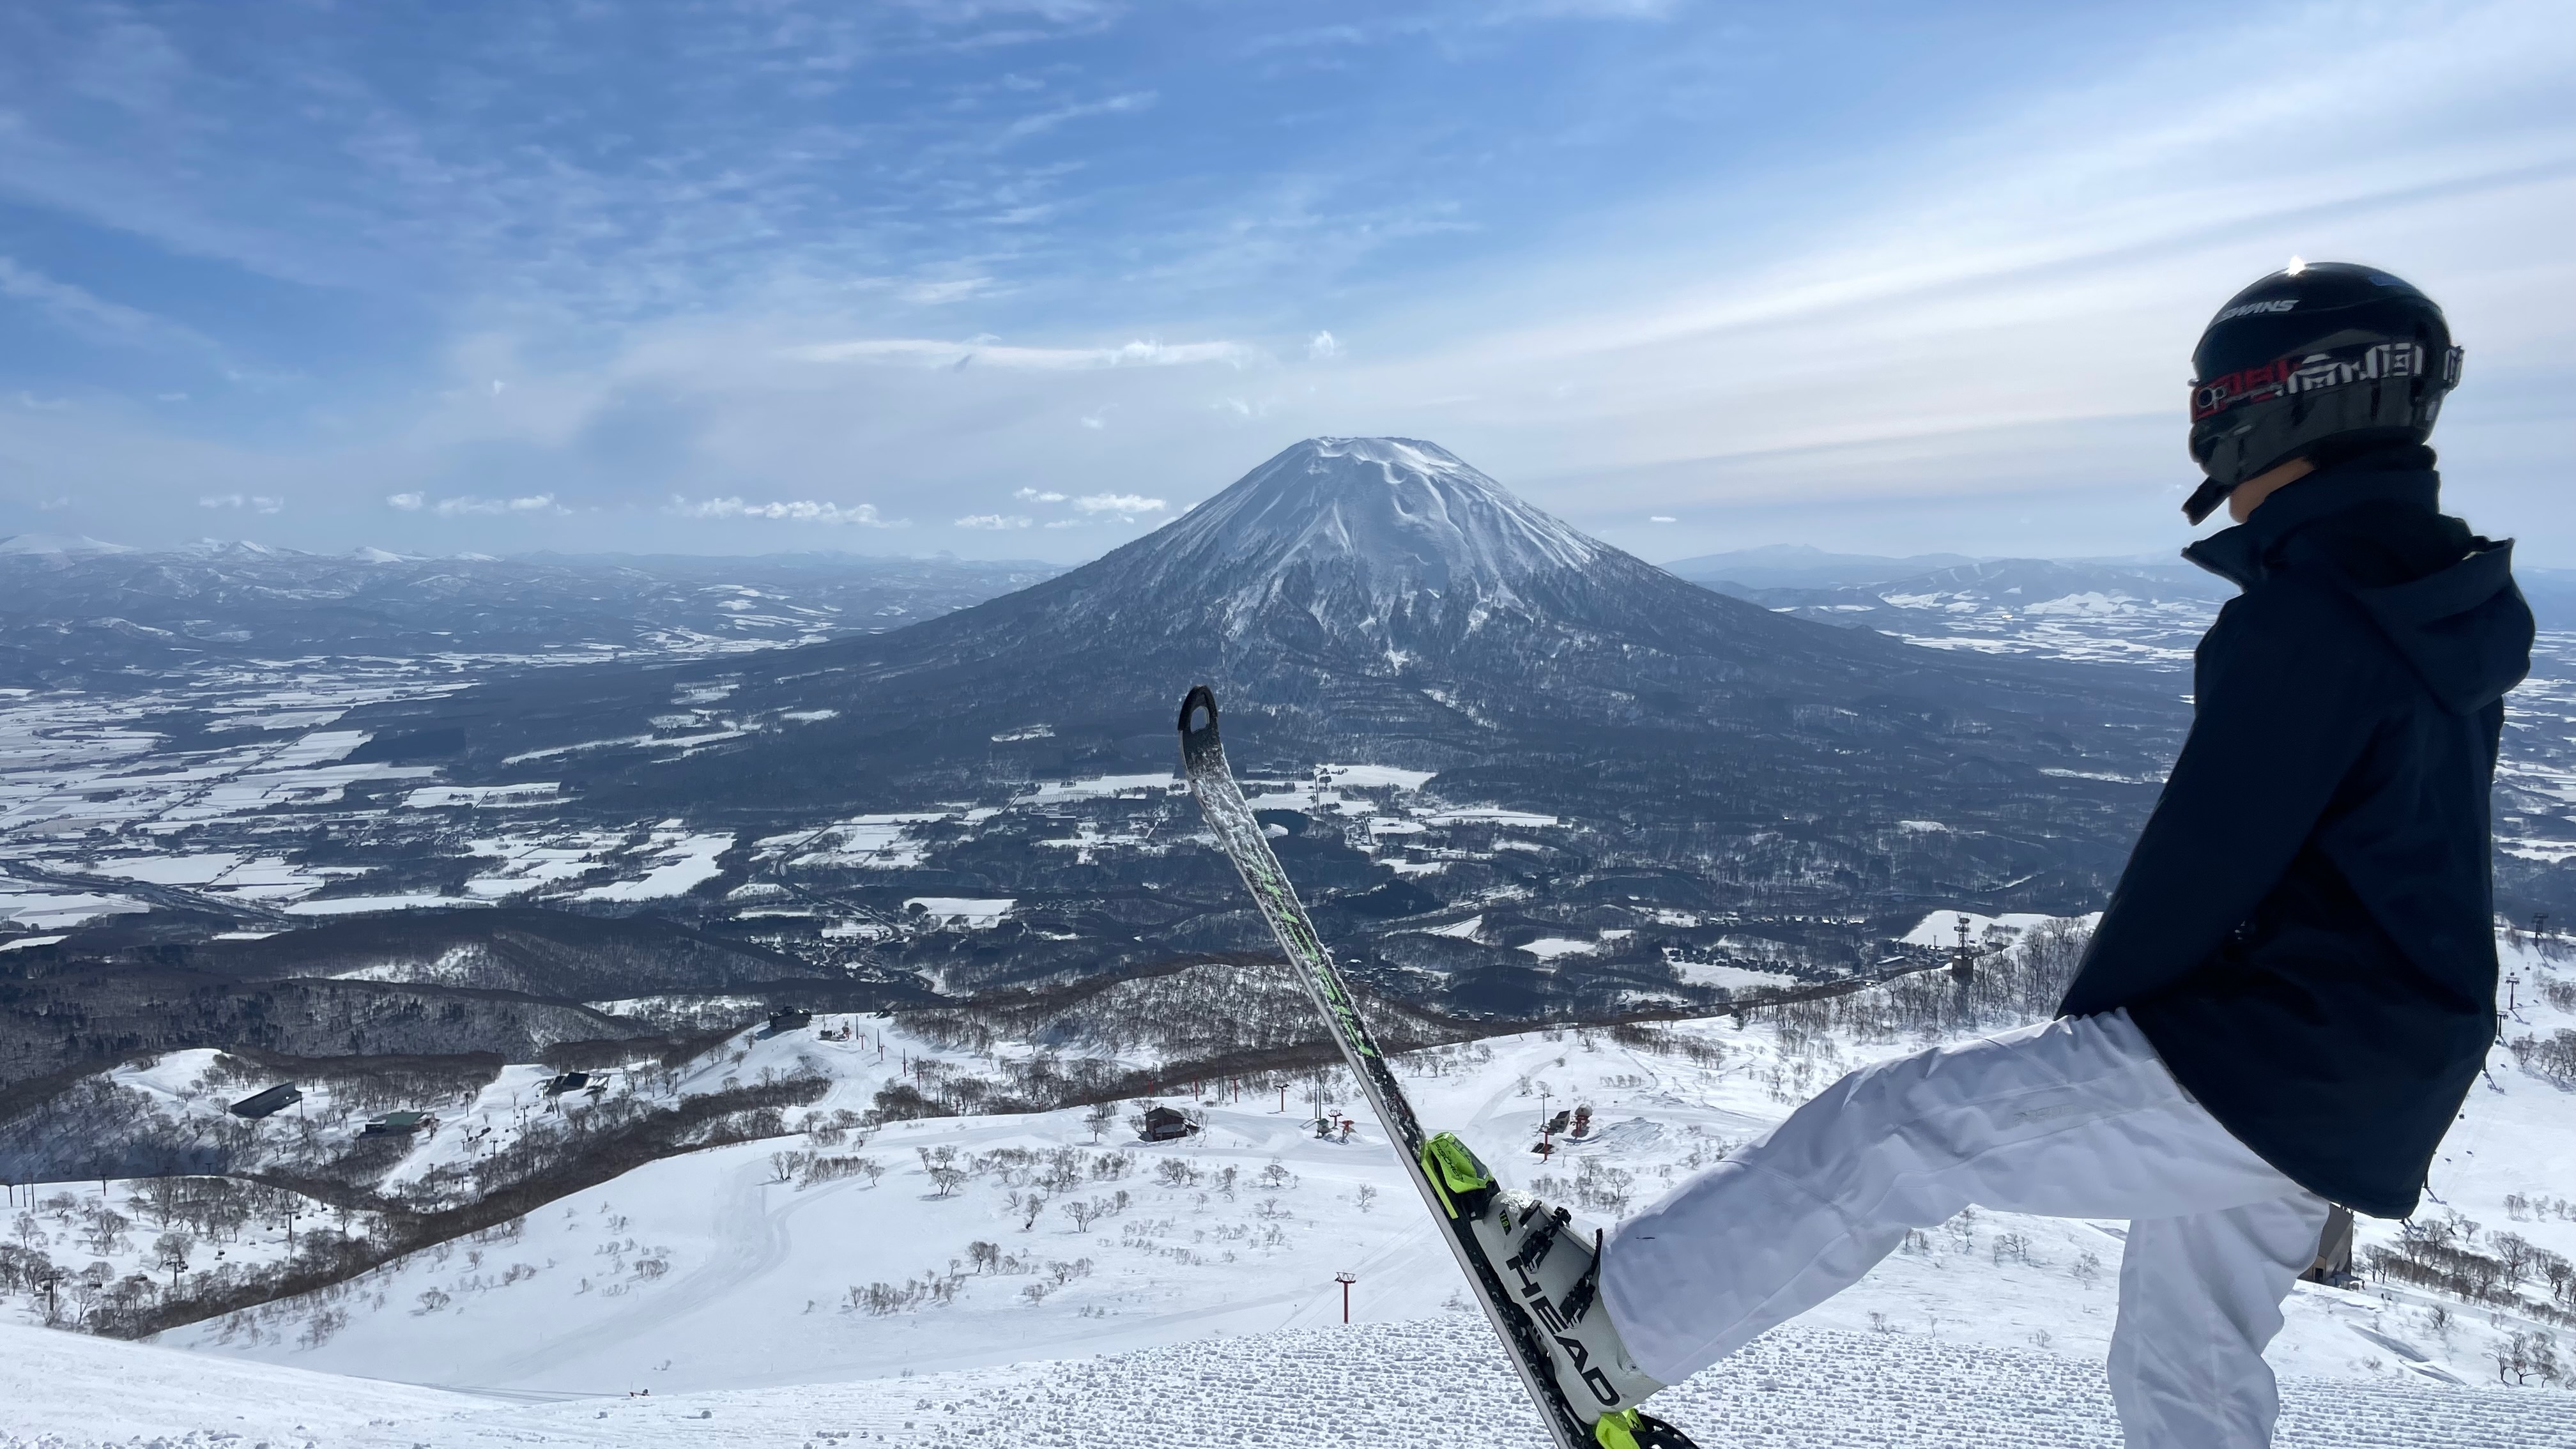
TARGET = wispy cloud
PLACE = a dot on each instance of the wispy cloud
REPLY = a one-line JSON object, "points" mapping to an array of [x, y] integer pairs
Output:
{"points": [[1033, 495], [91, 315], [407, 502], [1123, 503], [797, 510], [1045, 121], [994, 521], [926, 353], [253, 502], [468, 506], [1590, 9], [934, 293]]}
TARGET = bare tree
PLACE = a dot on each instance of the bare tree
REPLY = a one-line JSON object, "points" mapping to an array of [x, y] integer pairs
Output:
{"points": [[170, 1250], [940, 1165], [2521, 1357]]}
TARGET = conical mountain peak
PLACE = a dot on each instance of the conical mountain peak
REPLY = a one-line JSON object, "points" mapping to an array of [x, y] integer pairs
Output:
{"points": [[1406, 514]]}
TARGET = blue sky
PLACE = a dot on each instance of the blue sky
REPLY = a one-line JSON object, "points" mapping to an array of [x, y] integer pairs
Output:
{"points": [[1025, 277]]}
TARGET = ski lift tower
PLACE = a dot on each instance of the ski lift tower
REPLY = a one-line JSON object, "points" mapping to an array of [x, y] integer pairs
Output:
{"points": [[1963, 957]]}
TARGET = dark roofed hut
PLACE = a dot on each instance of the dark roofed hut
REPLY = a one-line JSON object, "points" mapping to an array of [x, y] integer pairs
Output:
{"points": [[1162, 1124], [275, 1099], [398, 1124]]}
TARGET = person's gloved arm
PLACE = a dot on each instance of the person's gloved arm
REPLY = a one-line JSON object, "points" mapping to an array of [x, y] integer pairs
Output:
{"points": [[2279, 722]]}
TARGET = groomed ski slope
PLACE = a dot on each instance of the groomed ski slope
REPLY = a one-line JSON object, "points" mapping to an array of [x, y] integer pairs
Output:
{"points": [[704, 1271], [1209, 1304], [1439, 1380]]}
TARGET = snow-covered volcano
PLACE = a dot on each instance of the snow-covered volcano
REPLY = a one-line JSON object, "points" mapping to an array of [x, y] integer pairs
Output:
{"points": [[1394, 559], [1380, 599], [1407, 516]]}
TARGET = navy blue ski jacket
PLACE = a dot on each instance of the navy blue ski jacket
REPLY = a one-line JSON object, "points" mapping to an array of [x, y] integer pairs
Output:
{"points": [[2305, 930]]}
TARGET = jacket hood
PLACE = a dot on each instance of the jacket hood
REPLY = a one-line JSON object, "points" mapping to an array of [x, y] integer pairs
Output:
{"points": [[2453, 613], [2465, 631]]}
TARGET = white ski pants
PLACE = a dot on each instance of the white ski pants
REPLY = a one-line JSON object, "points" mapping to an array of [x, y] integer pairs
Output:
{"points": [[2070, 1118]]}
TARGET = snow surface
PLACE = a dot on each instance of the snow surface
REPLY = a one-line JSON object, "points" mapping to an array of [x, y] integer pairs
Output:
{"points": [[365, 905], [1728, 974], [679, 862], [967, 911], [39, 908], [1373, 1384], [717, 1280], [1941, 928], [753, 1274], [434, 797], [1098, 787]]}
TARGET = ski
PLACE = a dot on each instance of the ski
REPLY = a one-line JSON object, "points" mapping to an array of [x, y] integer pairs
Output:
{"points": [[1221, 801]]}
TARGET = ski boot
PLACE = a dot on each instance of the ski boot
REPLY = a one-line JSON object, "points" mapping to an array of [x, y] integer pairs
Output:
{"points": [[1551, 1269]]}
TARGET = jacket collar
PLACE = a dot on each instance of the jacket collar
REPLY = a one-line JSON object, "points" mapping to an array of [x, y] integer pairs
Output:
{"points": [[2238, 554]]}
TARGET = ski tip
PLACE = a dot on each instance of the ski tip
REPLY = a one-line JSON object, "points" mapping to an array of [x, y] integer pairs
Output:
{"points": [[1198, 721]]}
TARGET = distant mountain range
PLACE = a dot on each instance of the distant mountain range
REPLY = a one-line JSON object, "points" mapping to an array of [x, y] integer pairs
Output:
{"points": [[1919, 595], [1804, 566], [2113, 613], [78, 613]]}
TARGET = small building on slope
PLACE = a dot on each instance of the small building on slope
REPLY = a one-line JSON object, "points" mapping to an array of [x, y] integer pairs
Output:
{"points": [[264, 1104]]}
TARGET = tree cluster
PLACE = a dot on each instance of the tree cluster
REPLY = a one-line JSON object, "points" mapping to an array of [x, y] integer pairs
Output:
{"points": [[2443, 1254]]}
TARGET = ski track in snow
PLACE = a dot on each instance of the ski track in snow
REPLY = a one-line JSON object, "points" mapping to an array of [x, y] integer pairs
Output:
{"points": [[1368, 1384]]}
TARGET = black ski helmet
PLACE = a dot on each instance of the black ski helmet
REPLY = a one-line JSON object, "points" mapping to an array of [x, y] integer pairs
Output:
{"points": [[2320, 351]]}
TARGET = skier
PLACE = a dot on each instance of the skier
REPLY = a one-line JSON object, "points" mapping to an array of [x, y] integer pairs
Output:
{"points": [[2286, 999]]}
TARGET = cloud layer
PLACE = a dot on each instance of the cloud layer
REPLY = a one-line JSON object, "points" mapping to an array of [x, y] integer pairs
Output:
{"points": [[800, 510], [683, 277]]}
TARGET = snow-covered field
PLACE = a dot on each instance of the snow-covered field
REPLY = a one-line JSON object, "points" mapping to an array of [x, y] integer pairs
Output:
{"points": [[1369, 1384], [960, 1244], [944, 1278]]}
